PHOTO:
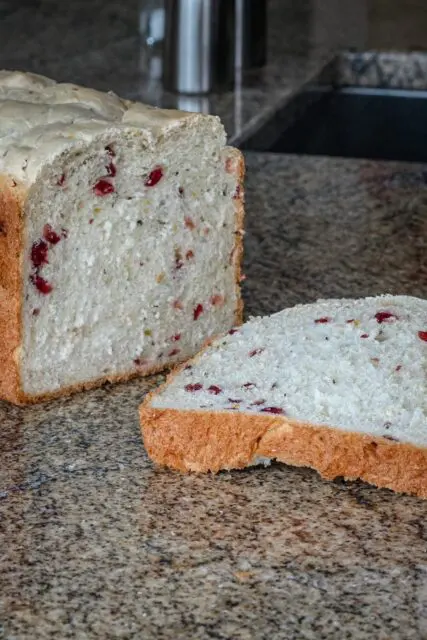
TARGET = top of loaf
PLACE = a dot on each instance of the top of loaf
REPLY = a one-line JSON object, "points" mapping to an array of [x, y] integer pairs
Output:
{"points": [[41, 118]]}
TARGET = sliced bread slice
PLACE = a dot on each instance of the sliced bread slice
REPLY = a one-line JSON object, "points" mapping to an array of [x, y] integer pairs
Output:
{"points": [[339, 386], [120, 236]]}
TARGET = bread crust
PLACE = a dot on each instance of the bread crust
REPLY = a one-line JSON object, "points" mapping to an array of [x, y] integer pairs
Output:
{"points": [[239, 226], [12, 197], [12, 202], [211, 441], [202, 441]]}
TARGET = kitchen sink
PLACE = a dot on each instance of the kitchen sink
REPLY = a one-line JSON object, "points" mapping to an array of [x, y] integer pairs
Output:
{"points": [[355, 122]]}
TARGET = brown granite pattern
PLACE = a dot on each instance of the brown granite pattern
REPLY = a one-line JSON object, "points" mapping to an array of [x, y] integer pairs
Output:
{"points": [[97, 543], [333, 227]]}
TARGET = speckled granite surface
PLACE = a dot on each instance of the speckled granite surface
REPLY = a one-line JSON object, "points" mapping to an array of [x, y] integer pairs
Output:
{"points": [[97, 543], [333, 228]]}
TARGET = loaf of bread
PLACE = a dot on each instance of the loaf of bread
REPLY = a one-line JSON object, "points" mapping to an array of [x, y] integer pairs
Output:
{"points": [[120, 236], [339, 386]]}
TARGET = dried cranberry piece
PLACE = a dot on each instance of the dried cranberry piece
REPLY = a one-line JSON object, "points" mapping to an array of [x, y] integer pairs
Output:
{"points": [[256, 352], [215, 389], [233, 331], [111, 169], [174, 352], [154, 177], [237, 193], [422, 335], [385, 316], [176, 337], [50, 235], [249, 385], [365, 335], [91, 221], [198, 310], [103, 188], [61, 180], [322, 320], [277, 410], [189, 223], [398, 368], [39, 253], [350, 321], [41, 284], [193, 387]]}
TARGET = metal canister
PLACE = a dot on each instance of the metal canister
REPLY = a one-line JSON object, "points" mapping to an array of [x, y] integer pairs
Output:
{"points": [[206, 40]]}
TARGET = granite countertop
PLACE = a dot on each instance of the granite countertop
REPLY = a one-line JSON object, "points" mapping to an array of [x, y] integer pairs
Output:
{"points": [[95, 542]]}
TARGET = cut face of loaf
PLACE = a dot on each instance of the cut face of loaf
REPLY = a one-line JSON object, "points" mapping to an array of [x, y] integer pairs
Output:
{"points": [[120, 236], [339, 386]]}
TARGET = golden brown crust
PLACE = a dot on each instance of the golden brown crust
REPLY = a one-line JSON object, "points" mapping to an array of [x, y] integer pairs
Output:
{"points": [[12, 199], [203, 441]]}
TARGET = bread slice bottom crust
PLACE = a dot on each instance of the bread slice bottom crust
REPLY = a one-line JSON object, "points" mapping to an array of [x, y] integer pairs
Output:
{"points": [[202, 441]]}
